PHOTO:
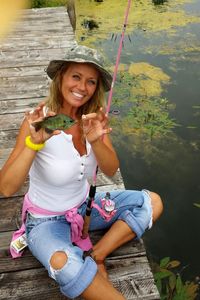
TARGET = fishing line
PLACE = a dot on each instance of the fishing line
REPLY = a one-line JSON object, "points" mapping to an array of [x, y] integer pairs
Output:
{"points": [[93, 185]]}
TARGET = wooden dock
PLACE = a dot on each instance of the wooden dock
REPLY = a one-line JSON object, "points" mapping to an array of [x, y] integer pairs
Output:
{"points": [[42, 35]]}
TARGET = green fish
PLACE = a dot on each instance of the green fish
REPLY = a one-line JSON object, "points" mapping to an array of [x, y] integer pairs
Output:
{"points": [[51, 123]]}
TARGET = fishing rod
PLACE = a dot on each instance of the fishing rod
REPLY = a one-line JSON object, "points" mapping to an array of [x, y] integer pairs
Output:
{"points": [[93, 185], [118, 56], [91, 196]]}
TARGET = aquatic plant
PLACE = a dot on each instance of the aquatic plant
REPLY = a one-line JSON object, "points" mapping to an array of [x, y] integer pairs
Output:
{"points": [[46, 3], [140, 113], [169, 282], [144, 16], [159, 2]]}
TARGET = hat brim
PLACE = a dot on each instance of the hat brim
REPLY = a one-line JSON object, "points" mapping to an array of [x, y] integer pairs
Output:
{"points": [[55, 65]]}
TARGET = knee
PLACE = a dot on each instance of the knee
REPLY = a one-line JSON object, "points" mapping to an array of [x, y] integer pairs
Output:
{"points": [[71, 272], [58, 260], [157, 205]]}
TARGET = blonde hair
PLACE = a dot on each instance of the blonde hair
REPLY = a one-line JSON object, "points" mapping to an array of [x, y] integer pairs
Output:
{"points": [[55, 99]]}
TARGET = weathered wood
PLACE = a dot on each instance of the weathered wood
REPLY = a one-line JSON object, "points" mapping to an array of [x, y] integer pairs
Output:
{"points": [[33, 57], [18, 105], [39, 36], [24, 87], [72, 13], [28, 43]]}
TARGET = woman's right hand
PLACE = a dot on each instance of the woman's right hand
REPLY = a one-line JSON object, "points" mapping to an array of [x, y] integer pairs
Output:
{"points": [[37, 115]]}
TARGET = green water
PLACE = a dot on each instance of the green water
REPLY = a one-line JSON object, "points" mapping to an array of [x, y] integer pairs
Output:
{"points": [[169, 163]]}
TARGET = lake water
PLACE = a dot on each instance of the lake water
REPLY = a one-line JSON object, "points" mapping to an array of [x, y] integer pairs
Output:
{"points": [[169, 163]]}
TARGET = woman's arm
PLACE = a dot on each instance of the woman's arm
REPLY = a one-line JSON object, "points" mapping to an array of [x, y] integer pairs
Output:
{"points": [[106, 156], [16, 168], [95, 130]]}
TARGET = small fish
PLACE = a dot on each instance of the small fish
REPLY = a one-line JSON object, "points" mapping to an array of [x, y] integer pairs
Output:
{"points": [[51, 123]]}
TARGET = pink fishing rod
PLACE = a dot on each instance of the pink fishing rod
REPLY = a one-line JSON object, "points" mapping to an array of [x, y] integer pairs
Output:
{"points": [[118, 57], [93, 186]]}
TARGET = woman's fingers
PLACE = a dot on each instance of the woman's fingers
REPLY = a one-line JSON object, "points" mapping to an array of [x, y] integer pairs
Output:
{"points": [[50, 114], [107, 130], [89, 116]]}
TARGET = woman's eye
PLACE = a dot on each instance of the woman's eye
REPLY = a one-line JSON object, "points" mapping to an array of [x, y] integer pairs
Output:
{"points": [[76, 76], [92, 82]]}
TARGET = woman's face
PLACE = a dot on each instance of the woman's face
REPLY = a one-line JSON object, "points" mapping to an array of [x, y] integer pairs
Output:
{"points": [[79, 84]]}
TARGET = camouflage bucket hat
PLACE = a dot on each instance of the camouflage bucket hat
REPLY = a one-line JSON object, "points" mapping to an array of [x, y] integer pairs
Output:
{"points": [[82, 54]]}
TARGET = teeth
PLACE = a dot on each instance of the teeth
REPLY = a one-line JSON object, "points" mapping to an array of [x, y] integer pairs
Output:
{"points": [[77, 95]]}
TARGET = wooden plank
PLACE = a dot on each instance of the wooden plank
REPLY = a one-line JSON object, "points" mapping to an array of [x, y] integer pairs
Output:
{"points": [[34, 19], [29, 43], [38, 13], [10, 213], [44, 29], [40, 81], [11, 121], [7, 142], [28, 284], [25, 90], [9, 73], [26, 262], [33, 57], [18, 105]]}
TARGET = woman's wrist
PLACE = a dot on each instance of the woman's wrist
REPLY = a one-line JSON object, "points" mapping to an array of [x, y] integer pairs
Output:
{"points": [[33, 146], [95, 142]]}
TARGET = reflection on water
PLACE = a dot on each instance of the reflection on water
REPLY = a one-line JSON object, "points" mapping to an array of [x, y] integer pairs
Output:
{"points": [[165, 40]]}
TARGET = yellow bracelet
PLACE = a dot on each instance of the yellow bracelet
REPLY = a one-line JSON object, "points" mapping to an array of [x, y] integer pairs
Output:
{"points": [[35, 147]]}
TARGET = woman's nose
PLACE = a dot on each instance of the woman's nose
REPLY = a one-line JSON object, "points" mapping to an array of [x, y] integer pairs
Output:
{"points": [[82, 85]]}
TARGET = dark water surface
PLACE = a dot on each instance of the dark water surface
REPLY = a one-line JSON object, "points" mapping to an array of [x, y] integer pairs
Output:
{"points": [[171, 164]]}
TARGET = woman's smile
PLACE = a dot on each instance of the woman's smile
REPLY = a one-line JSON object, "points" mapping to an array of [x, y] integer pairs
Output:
{"points": [[77, 95]]}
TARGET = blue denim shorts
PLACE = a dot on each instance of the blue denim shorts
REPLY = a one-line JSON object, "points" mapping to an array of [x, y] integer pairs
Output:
{"points": [[50, 234]]}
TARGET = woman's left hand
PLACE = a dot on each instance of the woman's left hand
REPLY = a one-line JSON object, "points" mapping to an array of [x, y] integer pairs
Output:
{"points": [[95, 125]]}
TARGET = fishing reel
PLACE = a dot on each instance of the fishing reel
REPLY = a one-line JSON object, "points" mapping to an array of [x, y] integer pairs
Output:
{"points": [[107, 204]]}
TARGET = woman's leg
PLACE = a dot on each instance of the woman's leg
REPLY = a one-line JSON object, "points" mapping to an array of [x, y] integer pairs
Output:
{"points": [[121, 232], [101, 289], [50, 243]]}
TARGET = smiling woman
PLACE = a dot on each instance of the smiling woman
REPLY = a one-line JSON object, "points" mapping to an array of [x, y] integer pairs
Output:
{"points": [[60, 164]]}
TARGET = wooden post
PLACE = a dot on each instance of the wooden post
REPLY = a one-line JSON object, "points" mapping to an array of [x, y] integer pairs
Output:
{"points": [[72, 13]]}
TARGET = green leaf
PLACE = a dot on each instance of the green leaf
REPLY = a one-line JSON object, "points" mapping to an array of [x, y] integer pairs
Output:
{"points": [[162, 274], [173, 264], [197, 205], [179, 284], [172, 282], [164, 262], [159, 285]]}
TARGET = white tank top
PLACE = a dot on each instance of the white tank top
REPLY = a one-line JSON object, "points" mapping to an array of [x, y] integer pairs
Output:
{"points": [[58, 175]]}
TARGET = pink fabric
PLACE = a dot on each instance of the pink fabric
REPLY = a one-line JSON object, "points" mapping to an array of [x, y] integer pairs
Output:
{"points": [[71, 216], [103, 213]]}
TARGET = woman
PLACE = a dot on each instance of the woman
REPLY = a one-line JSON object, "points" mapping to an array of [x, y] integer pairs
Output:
{"points": [[59, 165]]}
